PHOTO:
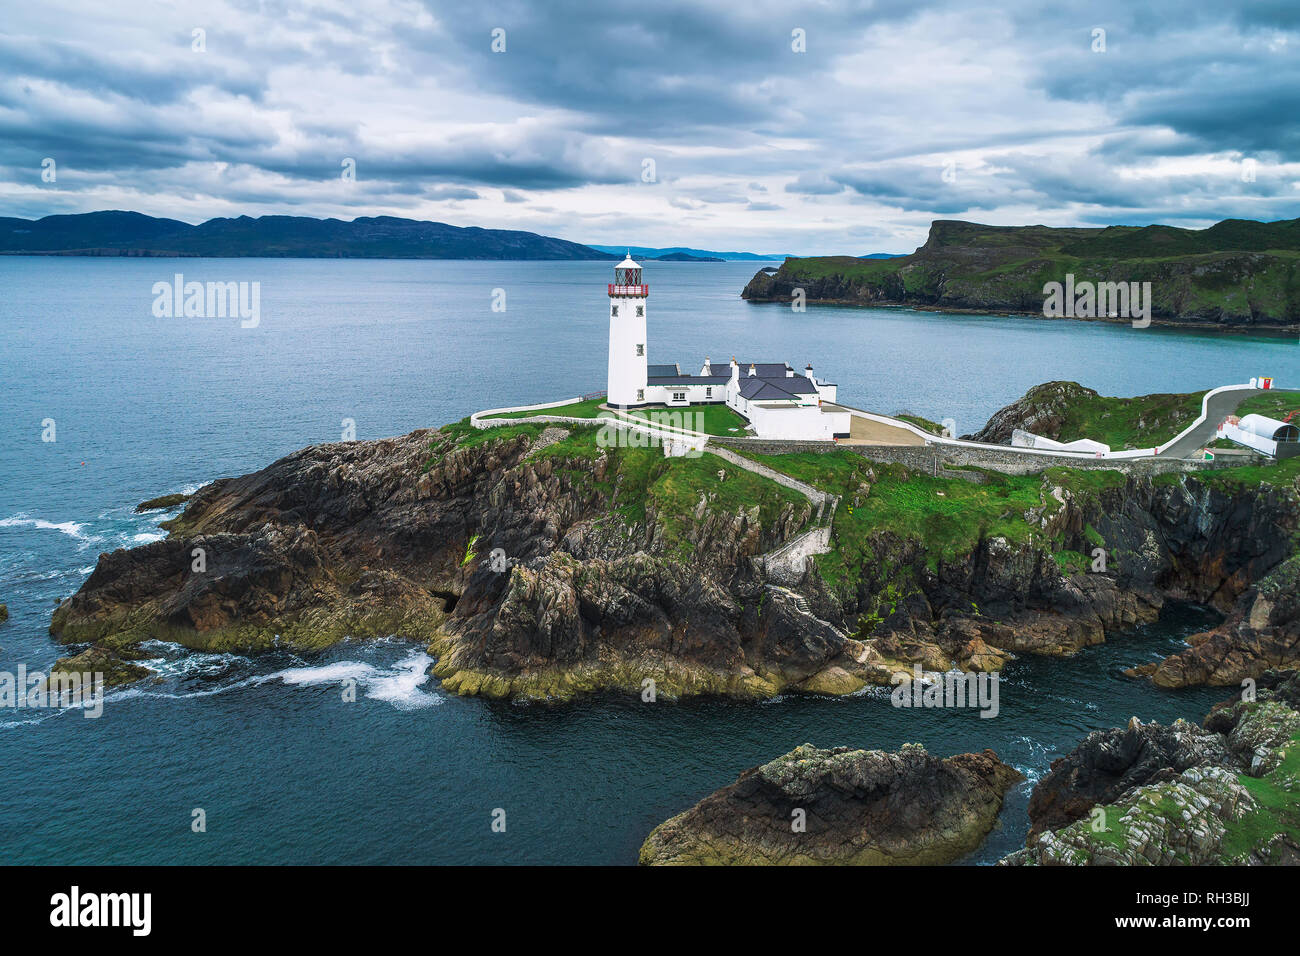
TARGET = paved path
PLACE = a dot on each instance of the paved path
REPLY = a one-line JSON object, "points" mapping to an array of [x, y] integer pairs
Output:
{"points": [[864, 431], [1220, 407]]}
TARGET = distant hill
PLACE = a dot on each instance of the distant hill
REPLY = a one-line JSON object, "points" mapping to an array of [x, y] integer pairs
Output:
{"points": [[1238, 274], [381, 237], [883, 255], [686, 257], [696, 254]]}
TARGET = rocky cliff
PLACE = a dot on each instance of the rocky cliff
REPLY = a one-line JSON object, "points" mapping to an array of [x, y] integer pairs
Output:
{"points": [[536, 564], [841, 806], [1237, 275]]}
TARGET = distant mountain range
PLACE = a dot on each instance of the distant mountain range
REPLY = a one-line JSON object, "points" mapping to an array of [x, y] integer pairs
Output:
{"points": [[676, 254], [118, 233], [380, 237]]}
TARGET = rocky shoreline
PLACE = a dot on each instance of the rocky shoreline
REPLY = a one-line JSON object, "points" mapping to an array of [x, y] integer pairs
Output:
{"points": [[547, 568], [1145, 794]]}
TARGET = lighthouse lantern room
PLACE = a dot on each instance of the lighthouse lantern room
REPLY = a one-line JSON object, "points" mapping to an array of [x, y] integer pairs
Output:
{"points": [[627, 335]]}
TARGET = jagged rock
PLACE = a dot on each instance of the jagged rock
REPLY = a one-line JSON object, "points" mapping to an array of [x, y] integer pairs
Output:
{"points": [[1182, 821], [1179, 795], [861, 807], [1108, 763]]}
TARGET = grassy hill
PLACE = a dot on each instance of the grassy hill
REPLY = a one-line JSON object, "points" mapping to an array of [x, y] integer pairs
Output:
{"points": [[1237, 274]]}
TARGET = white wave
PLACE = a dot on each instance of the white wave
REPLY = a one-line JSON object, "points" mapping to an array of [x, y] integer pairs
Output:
{"points": [[401, 685], [403, 689], [334, 673], [74, 529]]}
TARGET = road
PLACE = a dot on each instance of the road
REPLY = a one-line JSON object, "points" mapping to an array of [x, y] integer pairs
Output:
{"points": [[1221, 406]]}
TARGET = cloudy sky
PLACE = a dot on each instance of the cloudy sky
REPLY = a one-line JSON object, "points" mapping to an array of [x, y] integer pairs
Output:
{"points": [[658, 122]]}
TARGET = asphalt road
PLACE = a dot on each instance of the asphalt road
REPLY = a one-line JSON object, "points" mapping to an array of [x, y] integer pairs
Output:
{"points": [[1221, 406]]}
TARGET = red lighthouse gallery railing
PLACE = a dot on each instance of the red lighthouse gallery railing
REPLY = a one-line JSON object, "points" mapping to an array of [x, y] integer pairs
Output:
{"points": [[629, 289]]}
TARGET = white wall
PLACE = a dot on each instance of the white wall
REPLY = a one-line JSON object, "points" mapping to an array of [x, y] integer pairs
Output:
{"points": [[1249, 439], [627, 370], [797, 423]]}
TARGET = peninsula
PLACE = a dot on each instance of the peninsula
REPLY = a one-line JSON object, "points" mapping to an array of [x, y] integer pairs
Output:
{"points": [[1238, 275]]}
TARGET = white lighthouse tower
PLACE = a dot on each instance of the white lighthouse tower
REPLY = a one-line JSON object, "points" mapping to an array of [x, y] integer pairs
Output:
{"points": [[627, 339]]}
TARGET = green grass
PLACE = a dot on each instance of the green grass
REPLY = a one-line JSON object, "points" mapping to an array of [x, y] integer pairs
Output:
{"points": [[1279, 806], [713, 419], [950, 515], [1271, 405], [934, 428], [641, 480], [716, 419], [587, 409], [1141, 422]]}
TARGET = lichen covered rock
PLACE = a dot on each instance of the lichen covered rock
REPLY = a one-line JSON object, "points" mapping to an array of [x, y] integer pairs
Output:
{"points": [[841, 806]]}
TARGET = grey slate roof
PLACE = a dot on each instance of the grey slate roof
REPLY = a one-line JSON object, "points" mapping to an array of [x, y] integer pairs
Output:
{"points": [[687, 379], [755, 387], [770, 381]]}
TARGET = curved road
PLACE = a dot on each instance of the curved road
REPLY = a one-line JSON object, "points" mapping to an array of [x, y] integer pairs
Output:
{"points": [[1221, 406]]}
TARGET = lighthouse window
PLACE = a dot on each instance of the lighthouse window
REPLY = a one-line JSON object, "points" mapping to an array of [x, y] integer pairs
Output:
{"points": [[640, 394], [614, 311], [640, 311], [640, 349]]}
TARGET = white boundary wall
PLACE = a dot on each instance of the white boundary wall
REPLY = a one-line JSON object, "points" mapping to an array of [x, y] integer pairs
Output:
{"points": [[620, 420]]}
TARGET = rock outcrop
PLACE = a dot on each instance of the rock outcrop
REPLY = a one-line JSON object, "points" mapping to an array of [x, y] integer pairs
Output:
{"points": [[1225, 793], [1111, 762], [530, 571], [841, 806], [1042, 410], [162, 502]]}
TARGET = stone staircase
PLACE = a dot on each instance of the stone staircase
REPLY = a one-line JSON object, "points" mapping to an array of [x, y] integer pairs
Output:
{"points": [[801, 605]]}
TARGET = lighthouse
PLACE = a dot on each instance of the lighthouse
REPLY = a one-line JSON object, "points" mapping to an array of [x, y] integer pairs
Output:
{"points": [[627, 340]]}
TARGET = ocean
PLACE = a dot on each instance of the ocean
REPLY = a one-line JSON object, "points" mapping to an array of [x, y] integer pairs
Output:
{"points": [[283, 769]]}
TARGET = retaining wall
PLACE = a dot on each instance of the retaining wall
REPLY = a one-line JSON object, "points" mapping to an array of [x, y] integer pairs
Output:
{"points": [[930, 458]]}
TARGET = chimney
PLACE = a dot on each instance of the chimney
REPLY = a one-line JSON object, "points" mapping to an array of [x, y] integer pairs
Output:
{"points": [[808, 372], [751, 369], [789, 372], [708, 369]]}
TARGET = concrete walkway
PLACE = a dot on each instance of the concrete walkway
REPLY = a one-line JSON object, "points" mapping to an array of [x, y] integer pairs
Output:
{"points": [[863, 431]]}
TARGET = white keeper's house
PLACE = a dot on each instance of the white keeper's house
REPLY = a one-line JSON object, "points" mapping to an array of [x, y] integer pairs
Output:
{"points": [[778, 401]]}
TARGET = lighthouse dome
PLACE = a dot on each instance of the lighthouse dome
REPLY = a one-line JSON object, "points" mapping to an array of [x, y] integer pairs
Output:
{"points": [[627, 278]]}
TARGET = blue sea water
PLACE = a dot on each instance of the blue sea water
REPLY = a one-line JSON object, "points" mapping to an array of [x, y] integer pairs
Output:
{"points": [[285, 770]]}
